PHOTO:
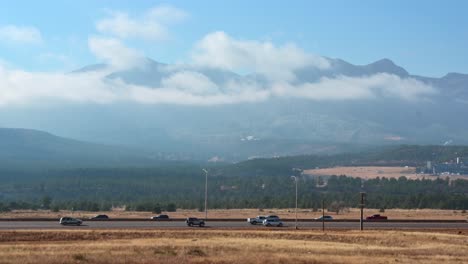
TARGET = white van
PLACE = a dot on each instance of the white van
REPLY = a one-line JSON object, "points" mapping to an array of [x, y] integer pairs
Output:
{"points": [[70, 221]]}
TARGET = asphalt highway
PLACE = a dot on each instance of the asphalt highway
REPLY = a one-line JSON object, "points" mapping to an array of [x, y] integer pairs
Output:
{"points": [[17, 225]]}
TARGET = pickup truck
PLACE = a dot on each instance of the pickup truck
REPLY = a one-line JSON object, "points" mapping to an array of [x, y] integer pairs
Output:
{"points": [[257, 220], [191, 221], [376, 217]]}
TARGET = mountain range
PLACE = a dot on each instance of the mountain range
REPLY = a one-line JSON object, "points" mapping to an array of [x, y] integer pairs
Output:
{"points": [[33, 149], [274, 127]]}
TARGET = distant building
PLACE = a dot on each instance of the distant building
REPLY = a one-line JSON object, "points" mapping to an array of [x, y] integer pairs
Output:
{"points": [[458, 167], [429, 165], [451, 168]]}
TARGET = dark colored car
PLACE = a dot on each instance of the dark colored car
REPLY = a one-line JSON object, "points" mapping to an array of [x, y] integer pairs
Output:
{"points": [[160, 217], [376, 217], [100, 217], [274, 217], [272, 222], [191, 221]]}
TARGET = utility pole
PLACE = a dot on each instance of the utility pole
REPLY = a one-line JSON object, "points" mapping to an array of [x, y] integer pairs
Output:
{"points": [[296, 202], [323, 215], [363, 200], [206, 193]]}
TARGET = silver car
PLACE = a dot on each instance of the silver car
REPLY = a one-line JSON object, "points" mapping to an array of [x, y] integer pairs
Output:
{"points": [[70, 221]]}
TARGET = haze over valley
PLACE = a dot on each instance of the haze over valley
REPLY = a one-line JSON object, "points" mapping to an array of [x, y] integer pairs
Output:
{"points": [[200, 112], [166, 82]]}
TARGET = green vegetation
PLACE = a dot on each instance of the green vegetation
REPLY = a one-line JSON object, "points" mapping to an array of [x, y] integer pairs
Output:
{"points": [[145, 190], [261, 183]]}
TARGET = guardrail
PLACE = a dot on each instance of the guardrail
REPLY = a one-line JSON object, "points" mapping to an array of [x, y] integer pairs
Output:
{"points": [[240, 220]]}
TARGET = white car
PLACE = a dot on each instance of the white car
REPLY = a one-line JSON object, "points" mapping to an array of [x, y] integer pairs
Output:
{"points": [[257, 220], [272, 222], [70, 221], [324, 218]]}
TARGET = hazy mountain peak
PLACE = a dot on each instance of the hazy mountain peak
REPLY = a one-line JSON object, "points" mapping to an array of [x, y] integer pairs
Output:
{"points": [[385, 61], [387, 66], [25, 148], [455, 75], [91, 68]]}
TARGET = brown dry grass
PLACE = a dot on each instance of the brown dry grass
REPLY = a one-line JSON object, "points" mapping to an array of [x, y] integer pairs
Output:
{"points": [[372, 172], [234, 246], [353, 213]]}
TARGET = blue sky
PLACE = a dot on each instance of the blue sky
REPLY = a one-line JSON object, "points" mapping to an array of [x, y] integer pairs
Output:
{"points": [[425, 37]]}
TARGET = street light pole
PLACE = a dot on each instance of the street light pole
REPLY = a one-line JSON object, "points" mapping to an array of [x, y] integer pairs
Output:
{"points": [[295, 180], [206, 193]]}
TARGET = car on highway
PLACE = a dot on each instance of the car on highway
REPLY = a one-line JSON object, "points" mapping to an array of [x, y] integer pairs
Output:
{"points": [[272, 222], [191, 221], [70, 221], [161, 217], [272, 217], [100, 217], [324, 218], [257, 220], [376, 217]]}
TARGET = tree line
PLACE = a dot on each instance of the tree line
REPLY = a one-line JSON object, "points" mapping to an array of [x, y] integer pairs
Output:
{"points": [[153, 190]]}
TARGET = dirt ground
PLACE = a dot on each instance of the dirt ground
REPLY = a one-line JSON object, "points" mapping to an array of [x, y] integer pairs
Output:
{"points": [[374, 172], [232, 246], [353, 213]]}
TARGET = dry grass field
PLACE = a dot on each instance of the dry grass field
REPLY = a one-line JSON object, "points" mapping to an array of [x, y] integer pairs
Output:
{"points": [[233, 246], [371, 172], [353, 213]]}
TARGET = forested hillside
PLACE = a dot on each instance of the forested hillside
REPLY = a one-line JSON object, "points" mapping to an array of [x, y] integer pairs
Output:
{"points": [[256, 183]]}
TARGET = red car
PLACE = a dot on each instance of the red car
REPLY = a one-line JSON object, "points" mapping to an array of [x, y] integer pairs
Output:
{"points": [[376, 217]]}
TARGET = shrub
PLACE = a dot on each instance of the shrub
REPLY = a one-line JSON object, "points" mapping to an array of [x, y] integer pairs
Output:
{"points": [[79, 257], [171, 207], [196, 252], [157, 209], [55, 208]]}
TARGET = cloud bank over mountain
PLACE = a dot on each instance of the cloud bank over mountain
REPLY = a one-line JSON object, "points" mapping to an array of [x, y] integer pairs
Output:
{"points": [[268, 70], [194, 87], [277, 63]]}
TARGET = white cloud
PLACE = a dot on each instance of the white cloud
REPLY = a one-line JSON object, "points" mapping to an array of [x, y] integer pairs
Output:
{"points": [[151, 25], [192, 88], [166, 14], [191, 85], [19, 87], [20, 34], [356, 88], [219, 50], [173, 96], [115, 53], [192, 82]]}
